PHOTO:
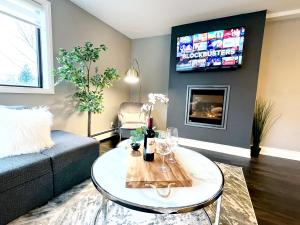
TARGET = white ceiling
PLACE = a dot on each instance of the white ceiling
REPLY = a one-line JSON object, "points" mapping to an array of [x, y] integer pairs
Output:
{"points": [[146, 18]]}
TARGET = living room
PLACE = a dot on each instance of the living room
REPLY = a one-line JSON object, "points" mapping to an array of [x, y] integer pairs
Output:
{"points": [[232, 110]]}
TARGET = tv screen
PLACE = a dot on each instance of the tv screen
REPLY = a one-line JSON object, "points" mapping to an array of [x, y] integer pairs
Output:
{"points": [[221, 49]]}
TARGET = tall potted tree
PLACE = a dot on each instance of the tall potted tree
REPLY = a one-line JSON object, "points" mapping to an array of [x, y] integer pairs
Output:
{"points": [[76, 66], [263, 120]]}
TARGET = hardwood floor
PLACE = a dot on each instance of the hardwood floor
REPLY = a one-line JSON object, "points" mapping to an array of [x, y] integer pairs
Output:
{"points": [[108, 144], [273, 184]]}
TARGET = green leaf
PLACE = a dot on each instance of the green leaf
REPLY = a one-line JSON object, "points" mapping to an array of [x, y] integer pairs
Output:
{"points": [[137, 134], [75, 67], [263, 120]]}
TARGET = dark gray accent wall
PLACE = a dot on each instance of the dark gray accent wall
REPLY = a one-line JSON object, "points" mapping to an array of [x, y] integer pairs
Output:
{"points": [[243, 82]]}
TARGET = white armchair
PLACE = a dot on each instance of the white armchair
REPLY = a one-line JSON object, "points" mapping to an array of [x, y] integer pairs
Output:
{"points": [[130, 117]]}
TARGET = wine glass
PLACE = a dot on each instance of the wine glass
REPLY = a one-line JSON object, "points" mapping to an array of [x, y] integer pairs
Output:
{"points": [[162, 149], [172, 140]]}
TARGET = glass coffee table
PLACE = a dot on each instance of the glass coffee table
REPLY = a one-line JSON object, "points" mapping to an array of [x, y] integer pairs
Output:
{"points": [[109, 176]]}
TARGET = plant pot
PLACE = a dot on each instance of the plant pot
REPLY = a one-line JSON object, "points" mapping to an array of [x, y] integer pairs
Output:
{"points": [[255, 150], [135, 146]]}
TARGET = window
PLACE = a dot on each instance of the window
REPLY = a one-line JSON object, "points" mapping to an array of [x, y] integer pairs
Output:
{"points": [[20, 51], [25, 46]]}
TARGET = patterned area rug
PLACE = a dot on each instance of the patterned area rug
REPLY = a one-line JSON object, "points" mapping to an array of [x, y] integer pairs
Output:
{"points": [[79, 206]]}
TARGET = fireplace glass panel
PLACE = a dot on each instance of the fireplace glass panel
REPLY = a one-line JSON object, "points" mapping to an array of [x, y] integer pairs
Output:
{"points": [[207, 106]]}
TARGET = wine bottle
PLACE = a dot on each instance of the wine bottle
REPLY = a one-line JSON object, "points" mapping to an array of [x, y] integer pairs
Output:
{"points": [[149, 142]]}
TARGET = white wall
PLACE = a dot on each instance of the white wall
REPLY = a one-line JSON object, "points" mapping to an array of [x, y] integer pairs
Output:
{"points": [[279, 81], [73, 26], [153, 55]]}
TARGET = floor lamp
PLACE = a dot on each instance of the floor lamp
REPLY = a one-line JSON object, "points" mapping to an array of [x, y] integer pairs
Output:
{"points": [[133, 76]]}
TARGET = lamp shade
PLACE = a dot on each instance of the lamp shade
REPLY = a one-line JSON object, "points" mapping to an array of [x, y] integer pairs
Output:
{"points": [[132, 76]]}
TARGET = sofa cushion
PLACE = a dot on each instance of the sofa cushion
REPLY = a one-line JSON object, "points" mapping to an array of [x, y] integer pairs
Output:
{"points": [[133, 117], [25, 197], [68, 147], [16, 170], [71, 157], [132, 126]]}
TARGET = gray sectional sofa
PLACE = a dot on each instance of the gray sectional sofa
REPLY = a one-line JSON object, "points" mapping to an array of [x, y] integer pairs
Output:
{"points": [[31, 180]]}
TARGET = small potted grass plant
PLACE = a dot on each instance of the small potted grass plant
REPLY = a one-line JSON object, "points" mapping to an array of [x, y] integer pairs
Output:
{"points": [[136, 136], [262, 122]]}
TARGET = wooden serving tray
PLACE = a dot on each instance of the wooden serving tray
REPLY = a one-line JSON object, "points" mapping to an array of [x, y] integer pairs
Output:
{"points": [[141, 173]]}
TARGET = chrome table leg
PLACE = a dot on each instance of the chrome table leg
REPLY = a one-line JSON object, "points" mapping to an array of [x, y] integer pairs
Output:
{"points": [[218, 211], [103, 209]]}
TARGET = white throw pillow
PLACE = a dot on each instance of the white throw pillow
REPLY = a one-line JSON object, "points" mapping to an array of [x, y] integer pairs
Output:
{"points": [[24, 131]]}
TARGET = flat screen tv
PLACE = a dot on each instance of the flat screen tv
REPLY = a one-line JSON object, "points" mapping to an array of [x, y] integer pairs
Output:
{"points": [[221, 49]]}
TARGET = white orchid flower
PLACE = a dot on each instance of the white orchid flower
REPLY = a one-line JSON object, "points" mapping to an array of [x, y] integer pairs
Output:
{"points": [[152, 98], [147, 107]]}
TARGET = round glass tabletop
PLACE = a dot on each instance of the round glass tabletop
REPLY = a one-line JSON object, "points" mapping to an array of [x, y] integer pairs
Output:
{"points": [[109, 176]]}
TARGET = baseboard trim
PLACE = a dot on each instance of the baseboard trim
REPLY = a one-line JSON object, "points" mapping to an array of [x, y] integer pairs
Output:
{"points": [[280, 153], [238, 151], [105, 136], [226, 149]]}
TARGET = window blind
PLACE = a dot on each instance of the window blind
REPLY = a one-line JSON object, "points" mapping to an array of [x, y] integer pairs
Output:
{"points": [[26, 10]]}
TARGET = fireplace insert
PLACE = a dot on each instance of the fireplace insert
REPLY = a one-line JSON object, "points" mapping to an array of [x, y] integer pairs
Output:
{"points": [[207, 106]]}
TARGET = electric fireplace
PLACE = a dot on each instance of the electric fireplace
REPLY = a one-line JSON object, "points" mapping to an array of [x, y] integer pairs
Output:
{"points": [[207, 106]]}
